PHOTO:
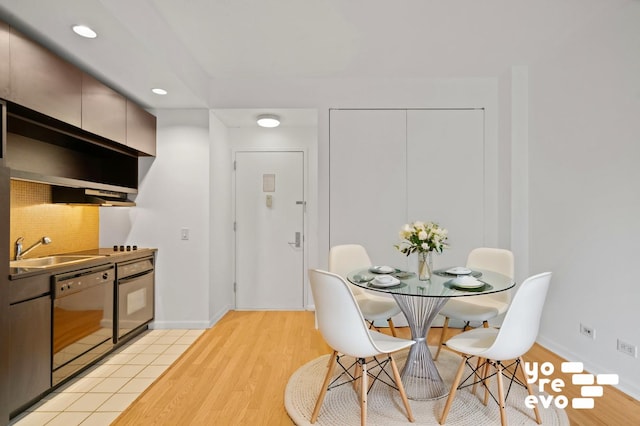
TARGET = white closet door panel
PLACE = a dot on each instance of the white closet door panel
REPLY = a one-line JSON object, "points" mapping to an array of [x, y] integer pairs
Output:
{"points": [[368, 180], [445, 184]]}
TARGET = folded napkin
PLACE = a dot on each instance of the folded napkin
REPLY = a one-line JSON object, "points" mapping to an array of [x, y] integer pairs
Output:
{"points": [[385, 281], [382, 269], [466, 281], [458, 270]]}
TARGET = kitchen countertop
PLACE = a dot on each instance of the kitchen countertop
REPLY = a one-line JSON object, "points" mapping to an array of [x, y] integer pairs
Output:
{"points": [[105, 255], [117, 254]]}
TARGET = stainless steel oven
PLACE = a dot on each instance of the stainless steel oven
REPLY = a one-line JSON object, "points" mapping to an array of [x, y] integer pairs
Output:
{"points": [[82, 319], [135, 289]]}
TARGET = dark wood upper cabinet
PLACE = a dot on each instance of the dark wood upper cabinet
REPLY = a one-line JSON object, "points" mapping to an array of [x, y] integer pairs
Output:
{"points": [[44, 82], [141, 129], [33, 77], [104, 111], [4, 64]]}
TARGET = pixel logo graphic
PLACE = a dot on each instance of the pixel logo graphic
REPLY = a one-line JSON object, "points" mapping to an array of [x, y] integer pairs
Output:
{"points": [[591, 386]]}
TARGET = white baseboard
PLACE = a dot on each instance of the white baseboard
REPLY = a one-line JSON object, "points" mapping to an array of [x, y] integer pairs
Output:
{"points": [[179, 325], [624, 385]]}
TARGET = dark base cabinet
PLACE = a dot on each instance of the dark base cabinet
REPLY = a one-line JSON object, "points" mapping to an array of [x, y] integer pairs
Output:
{"points": [[30, 351]]}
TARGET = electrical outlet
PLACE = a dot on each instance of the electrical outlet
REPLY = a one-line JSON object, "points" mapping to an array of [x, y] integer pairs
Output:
{"points": [[627, 348], [588, 331]]}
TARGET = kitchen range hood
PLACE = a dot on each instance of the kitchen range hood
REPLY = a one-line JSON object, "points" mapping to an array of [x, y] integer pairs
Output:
{"points": [[93, 197]]}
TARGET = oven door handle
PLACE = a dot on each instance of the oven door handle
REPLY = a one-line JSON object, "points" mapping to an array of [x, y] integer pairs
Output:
{"points": [[134, 277]]}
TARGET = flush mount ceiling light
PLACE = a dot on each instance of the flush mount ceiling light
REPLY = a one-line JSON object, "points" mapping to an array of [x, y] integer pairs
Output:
{"points": [[84, 31], [159, 91], [268, 120]]}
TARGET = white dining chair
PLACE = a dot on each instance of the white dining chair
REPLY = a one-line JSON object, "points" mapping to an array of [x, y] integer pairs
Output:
{"points": [[480, 308], [345, 331], [346, 258], [494, 346]]}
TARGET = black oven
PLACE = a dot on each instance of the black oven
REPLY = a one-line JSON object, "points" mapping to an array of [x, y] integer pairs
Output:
{"points": [[135, 289], [82, 319]]}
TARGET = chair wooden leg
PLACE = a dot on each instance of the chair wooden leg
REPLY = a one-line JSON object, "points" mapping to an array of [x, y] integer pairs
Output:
{"points": [[476, 380], [372, 326], [323, 390], [357, 374], [485, 374], [535, 407], [403, 394], [452, 392], [485, 324], [445, 327], [503, 411], [391, 327], [363, 394]]}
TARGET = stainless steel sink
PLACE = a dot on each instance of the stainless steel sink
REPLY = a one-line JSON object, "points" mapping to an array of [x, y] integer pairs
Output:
{"points": [[49, 261]]}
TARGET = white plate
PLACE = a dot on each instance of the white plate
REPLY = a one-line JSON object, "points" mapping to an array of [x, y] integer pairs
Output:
{"points": [[466, 282], [383, 281], [382, 269], [458, 270]]}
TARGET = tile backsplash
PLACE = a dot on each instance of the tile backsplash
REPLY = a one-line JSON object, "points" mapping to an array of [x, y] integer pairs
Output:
{"points": [[33, 216]]}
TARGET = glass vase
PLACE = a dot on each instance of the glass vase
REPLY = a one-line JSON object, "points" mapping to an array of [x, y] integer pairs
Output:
{"points": [[425, 265]]}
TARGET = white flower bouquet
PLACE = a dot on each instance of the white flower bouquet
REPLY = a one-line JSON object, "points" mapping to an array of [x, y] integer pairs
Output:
{"points": [[422, 237]]}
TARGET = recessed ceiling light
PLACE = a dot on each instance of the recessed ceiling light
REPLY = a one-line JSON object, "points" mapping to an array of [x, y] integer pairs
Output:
{"points": [[159, 91], [268, 120], [84, 31]]}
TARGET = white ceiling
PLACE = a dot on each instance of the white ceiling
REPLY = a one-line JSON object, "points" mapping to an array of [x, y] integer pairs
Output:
{"points": [[198, 48]]}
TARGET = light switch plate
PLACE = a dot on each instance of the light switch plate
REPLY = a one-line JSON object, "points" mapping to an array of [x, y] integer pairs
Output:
{"points": [[184, 233]]}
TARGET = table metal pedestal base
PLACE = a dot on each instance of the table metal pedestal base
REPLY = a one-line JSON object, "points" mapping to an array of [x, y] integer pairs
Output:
{"points": [[420, 376]]}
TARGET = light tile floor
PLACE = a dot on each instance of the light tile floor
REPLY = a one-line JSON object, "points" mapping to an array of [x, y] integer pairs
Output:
{"points": [[100, 394]]}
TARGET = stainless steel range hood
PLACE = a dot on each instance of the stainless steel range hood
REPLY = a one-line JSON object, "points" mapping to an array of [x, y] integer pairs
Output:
{"points": [[94, 197]]}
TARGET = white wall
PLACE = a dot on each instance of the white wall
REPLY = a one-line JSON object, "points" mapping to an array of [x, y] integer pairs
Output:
{"points": [[584, 155], [221, 297], [173, 193]]}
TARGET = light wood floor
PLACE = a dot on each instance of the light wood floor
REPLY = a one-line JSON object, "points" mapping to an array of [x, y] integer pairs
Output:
{"points": [[235, 374]]}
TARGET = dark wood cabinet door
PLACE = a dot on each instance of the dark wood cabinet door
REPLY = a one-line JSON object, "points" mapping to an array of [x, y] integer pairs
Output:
{"points": [[44, 82], [104, 111], [29, 350], [4, 60], [141, 129]]}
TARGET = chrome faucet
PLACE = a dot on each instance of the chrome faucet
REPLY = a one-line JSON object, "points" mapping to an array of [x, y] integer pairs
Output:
{"points": [[20, 253]]}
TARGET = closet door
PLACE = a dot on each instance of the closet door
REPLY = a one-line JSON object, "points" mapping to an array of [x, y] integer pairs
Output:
{"points": [[446, 176], [368, 185]]}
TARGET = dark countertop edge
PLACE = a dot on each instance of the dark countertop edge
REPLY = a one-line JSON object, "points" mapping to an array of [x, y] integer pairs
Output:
{"points": [[106, 256]]}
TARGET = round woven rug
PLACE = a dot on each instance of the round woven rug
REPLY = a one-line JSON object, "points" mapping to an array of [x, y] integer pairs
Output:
{"points": [[384, 405]]}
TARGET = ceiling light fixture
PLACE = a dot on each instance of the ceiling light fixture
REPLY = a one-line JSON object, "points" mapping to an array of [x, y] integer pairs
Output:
{"points": [[84, 31], [159, 91], [268, 120]]}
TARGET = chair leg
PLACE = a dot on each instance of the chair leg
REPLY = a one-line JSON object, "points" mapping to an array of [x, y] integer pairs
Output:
{"points": [[391, 327], [323, 390], [403, 394], [445, 327], [372, 326], [454, 388], [529, 390], [503, 411], [363, 394], [478, 373], [357, 374], [485, 324], [485, 374]]}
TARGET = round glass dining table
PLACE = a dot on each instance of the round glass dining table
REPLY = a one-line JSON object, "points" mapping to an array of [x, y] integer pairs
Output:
{"points": [[420, 302]]}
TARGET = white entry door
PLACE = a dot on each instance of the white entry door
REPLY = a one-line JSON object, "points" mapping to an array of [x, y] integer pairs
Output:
{"points": [[269, 210]]}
